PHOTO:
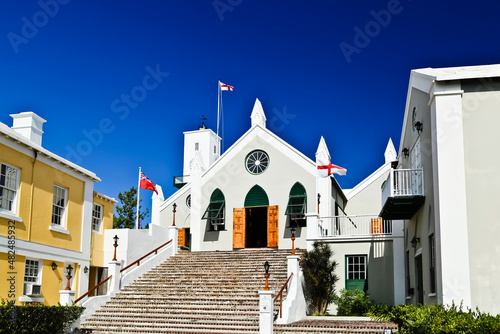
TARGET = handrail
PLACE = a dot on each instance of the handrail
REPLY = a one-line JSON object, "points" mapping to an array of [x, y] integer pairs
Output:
{"points": [[95, 287], [280, 294], [148, 254]]}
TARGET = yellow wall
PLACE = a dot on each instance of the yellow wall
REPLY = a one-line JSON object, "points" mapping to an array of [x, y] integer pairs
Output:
{"points": [[44, 178], [97, 249], [5, 287]]}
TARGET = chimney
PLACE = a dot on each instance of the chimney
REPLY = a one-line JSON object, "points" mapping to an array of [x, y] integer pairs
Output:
{"points": [[29, 125]]}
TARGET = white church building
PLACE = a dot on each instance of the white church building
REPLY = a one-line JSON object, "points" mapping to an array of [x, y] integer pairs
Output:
{"points": [[245, 199]]}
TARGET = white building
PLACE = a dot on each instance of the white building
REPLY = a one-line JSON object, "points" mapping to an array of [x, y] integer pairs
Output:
{"points": [[252, 195], [447, 187]]}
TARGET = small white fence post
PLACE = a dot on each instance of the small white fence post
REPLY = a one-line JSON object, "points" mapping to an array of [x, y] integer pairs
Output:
{"points": [[114, 268], [174, 235], [266, 311]]}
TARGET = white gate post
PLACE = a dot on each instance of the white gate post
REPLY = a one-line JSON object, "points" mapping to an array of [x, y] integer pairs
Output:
{"points": [[266, 311]]}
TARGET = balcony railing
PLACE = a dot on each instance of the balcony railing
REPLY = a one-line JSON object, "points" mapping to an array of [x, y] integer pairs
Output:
{"points": [[403, 182], [359, 225]]}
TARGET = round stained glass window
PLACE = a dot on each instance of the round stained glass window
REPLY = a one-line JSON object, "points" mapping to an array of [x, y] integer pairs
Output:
{"points": [[257, 162]]}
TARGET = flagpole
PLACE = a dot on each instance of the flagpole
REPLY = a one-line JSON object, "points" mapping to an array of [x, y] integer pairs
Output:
{"points": [[138, 187], [218, 106]]}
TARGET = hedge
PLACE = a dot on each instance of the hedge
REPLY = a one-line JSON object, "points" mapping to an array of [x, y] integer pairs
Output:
{"points": [[36, 319]]}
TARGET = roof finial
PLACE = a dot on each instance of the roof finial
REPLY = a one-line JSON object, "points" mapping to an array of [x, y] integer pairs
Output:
{"points": [[203, 119]]}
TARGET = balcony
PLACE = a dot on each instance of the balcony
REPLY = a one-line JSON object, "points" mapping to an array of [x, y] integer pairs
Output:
{"points": [[402, 193], [180, 181], [353, 226]]}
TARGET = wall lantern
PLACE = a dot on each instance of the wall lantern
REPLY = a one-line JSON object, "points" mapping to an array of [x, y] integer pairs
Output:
{"points": [[174, 211], [54, 266], [115, 238], [292, 231], [414, 242], [418, 126], [406, 152], [266, 275], [69, 268], [86, 269]]}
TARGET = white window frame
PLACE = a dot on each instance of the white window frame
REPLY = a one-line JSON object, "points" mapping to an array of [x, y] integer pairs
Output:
{"points": [[38, 275], [62, 220], [13, 209], [97, 219]]}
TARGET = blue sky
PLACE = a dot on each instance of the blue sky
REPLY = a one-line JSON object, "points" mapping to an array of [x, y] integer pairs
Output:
{"points": [[132, 76]]}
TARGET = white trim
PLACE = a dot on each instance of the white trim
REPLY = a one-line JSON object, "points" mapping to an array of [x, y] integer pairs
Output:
{"points": [[57, 228], [28, 145], [432, 295], [28, 299], [64, 217], [9, 215], [36, 250], [369, 180]]}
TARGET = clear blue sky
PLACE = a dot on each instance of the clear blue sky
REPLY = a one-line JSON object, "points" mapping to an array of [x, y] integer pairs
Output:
{"points": [[338, 69]]}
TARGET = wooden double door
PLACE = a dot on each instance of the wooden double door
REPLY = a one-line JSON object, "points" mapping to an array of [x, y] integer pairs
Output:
{"points": [[255, 227]]}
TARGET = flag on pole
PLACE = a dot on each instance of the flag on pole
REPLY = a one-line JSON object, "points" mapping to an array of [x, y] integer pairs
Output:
{"points": [[146, 183], [226, 87], [326, 168]]}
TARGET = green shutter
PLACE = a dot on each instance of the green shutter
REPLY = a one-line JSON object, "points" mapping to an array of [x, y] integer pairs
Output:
{"points": [[216, 205], [296, 201], [256, 197]]}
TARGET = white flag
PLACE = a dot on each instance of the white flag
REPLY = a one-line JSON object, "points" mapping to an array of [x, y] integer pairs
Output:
{"points": [[326, 168], [226, 87]]}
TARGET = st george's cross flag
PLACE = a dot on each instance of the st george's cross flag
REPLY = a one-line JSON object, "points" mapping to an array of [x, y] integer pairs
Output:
{"points": [[146, 183], [223, 86], [326, 168]]}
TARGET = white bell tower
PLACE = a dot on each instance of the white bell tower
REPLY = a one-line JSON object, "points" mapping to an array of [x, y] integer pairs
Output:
{"points": [[206, 143]]}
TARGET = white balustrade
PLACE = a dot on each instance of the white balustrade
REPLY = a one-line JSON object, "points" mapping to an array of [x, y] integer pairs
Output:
{"points": [[358, 225]]}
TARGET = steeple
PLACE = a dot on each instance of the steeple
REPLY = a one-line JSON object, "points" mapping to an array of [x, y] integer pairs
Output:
{"points": [[258, 117], [322, 151], [390, 152]]}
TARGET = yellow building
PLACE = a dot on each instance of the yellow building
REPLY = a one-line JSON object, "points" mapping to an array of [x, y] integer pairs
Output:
{"points": [[50, 218]]}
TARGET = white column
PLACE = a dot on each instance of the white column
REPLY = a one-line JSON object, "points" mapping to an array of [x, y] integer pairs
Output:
{"points": [[114, 268], [312, 229], [196, 209], [266, 309], [174, 235], [294, 306], [450, 204], [398, 254], [67, 297]]}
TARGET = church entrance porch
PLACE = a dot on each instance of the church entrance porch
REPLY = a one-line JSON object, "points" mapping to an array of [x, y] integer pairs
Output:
{"points": [[255, 227]]}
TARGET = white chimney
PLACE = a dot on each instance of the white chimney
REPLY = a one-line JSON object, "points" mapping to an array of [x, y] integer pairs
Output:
{"points": [[29, 125]]}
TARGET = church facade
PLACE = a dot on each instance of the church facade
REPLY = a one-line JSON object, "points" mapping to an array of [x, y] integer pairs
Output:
{"points": [[261, 191]]}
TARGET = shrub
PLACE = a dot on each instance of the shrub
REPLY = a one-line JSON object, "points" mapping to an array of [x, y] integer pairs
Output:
{"points": [[319, 278], [36, 319], [352, 302], [437, 319]]}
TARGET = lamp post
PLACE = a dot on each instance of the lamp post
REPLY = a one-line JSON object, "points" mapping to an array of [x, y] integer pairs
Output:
{"points": [[319, 201], [115, 238], [292, 230], [266, 275], [69, 268], [174, 211]]}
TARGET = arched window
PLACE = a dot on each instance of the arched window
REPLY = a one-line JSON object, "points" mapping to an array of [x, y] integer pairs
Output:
{"points": [[215, 211], [256, 197], [297, 203]]}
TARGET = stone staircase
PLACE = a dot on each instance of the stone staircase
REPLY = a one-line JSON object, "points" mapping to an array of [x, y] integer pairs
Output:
{"points": [[207, 292]]}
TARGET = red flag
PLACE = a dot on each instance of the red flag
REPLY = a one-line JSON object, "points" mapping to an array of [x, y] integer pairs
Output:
{"points": [[146, 183]]}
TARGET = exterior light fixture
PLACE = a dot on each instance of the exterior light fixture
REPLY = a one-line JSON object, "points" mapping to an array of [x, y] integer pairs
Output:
{"points": [[406, 152], [319, 201], [54, 266], [414, 242], [69, 268], [115, 238], [292, 231], [174, 211], [418, 126], [266, 275], [86, 269]]}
